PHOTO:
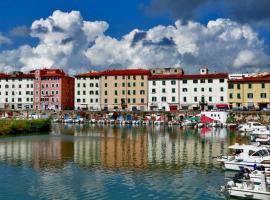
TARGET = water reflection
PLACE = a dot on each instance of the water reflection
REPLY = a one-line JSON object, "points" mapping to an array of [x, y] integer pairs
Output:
{"points": [[119, 147]]}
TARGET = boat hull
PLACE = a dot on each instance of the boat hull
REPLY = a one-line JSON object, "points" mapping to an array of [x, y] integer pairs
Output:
{"points": [[249, 194], [236, 166]]}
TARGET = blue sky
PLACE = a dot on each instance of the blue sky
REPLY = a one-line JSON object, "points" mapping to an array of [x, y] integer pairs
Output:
{"points": [[124, 16]]}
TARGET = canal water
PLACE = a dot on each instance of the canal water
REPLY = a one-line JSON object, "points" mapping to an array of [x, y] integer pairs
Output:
{"points": [[113, 162]]}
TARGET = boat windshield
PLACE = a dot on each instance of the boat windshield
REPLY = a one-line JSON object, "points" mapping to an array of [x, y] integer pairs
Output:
{"points": [[260, 153]]}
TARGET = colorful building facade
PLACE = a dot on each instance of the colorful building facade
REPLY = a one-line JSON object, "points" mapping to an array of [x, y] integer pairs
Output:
{"points": [[53, 89], [204, 90], [16, 91], [124, 89], [87, 92], [251, 92]]}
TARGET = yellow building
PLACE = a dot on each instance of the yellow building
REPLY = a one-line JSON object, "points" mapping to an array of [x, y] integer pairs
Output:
{"points": [[124, 89], [249, 92]]}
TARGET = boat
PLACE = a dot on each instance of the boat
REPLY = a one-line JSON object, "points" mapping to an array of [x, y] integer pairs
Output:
{"points": [[247, 156], [251, 127], [248, 189]]}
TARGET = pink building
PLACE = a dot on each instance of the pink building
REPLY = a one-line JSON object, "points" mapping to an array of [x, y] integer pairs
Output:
{"points": [[53, 89]]}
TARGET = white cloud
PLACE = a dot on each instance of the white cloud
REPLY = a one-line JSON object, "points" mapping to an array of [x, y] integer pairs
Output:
{"points": [[67, 41], [4, 40]]}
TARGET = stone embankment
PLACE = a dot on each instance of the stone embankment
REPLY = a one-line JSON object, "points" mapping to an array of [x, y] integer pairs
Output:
{"points": [[237, 116]]}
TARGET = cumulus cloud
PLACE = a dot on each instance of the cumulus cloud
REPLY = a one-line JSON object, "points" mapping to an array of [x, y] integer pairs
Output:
{"points": [[19, 31], [76, 45], [4, 39]]}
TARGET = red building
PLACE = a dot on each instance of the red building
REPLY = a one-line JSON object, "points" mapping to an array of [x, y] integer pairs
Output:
{"points": [[53, 89]]}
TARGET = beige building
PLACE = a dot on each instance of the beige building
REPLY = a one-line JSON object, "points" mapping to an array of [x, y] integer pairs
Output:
{"points": [[124, 89]]}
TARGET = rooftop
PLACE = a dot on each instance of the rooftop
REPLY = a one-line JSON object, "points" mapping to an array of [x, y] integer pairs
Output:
{"points": [[17, 75], [89, 74], [125, 72], [262, 77]]}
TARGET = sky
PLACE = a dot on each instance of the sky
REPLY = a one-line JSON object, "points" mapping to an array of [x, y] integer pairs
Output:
{"points": [[80, 35]]}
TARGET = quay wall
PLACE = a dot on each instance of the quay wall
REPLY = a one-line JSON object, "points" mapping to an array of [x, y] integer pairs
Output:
{"points": [[238, 116]]}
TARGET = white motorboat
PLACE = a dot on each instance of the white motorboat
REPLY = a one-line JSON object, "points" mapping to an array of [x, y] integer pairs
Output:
{"points": [[251, 126], [248, 190], [255, 176], [249, 156], [260, 132]]}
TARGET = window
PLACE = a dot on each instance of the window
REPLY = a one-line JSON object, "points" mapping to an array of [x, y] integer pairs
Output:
{"points": [[128, 100], [173, 99], [231, 95], [202, 81], [185, 99], [163, 99], [84, 92], [210, 99], [221, 98], [195, 89], [78, 100], [133, 100], [134, 84], [221, 89], [163, 82], [142, 77], [154, 82], [153, 90], [210, 89], [230, 85], [184, 89], [210, 80], [96, 92], [142, 92], [184, 81], [173, 82], [115, 100], [195, 81], [106, 92], [115, 77], [115, 84], [142, 84], [154, 99], [263, 95], [84, 85], [173, 90], [263, 85], [238, 96], [129, 85], [123, 84], [123, 92], [105, 77], [78, 92], [129, 92], [115, 92], [134, 92], [142, 100], [249, 86], [163, 90], [123, 77], [250, 95], [202, 89], [238, 86], [134, 77], [195, 99], [221, 80], [105, 100], [106, 84]]}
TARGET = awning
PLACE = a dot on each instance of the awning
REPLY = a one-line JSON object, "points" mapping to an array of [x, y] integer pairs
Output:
{"points": [[222, 105], [193, 119]]}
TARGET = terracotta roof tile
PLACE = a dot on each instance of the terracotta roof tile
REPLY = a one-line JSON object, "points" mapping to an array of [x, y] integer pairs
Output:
{"points": [[124, 72]]}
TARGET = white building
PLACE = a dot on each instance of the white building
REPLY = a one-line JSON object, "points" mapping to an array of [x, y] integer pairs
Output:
{"points": [[87, 91], [163, 92], [203, 90], [16, 90]]}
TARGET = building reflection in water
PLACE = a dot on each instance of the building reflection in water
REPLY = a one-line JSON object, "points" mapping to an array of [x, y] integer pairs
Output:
{"points": [[114, 147]]}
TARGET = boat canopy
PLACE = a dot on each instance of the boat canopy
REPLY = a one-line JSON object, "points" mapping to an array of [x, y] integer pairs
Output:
{"points": [[196, 118], [205, 119]]}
